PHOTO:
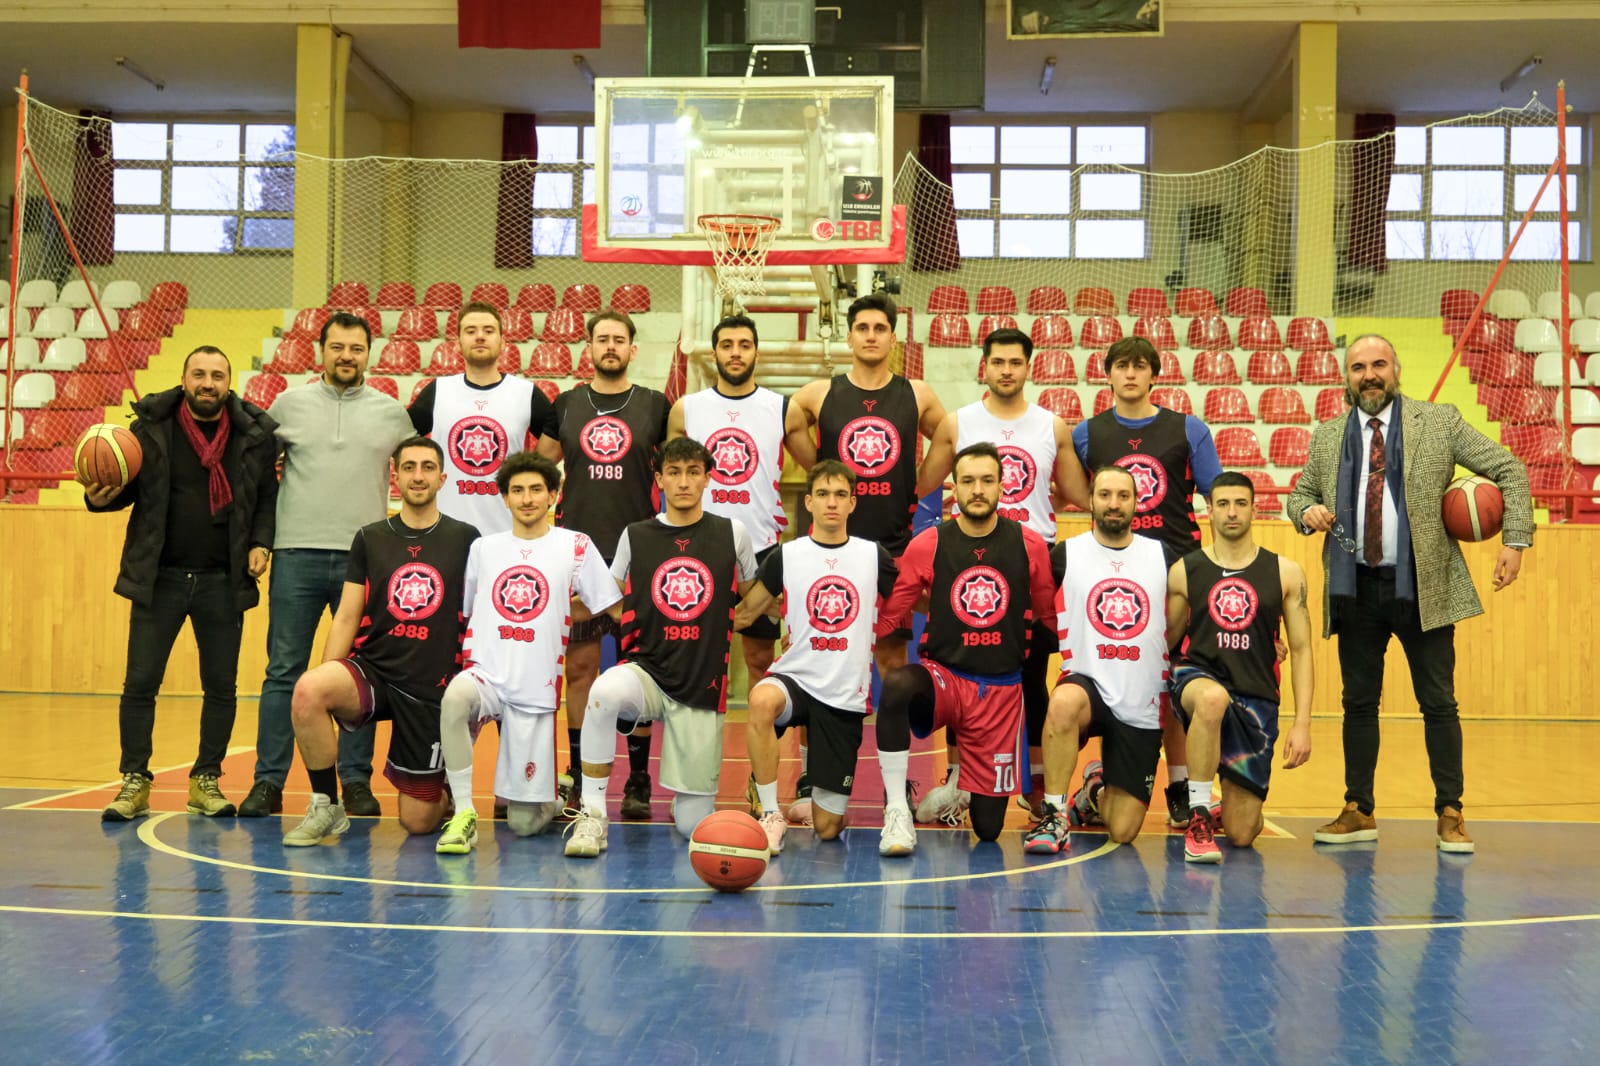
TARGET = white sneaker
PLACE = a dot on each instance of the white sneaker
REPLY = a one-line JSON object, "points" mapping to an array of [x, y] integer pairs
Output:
{"points": [[776, 825], [899, 835], [800, 812], [586, 835], [325, 819], [945, 803]]}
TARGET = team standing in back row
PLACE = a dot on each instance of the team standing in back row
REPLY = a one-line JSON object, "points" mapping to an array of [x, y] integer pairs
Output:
{"points": [[484, 596]]}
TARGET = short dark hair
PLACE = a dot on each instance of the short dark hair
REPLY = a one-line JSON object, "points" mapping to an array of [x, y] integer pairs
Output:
{"points": [[977, 449], [345, 320], [1111, 468], [1232, 479], [681, 450], [1009, 336], [609, 314], [527, 463], [208, 349], [829, 468], [417, 441], [478, 307], [736, 322], [873, 301], [1134, 350]]}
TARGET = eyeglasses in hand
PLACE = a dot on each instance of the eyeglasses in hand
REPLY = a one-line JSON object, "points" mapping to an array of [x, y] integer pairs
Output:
{"points": [[1342, 538]]}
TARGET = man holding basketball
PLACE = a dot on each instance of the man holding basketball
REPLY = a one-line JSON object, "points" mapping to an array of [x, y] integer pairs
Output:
{"points": [[198, 538], [1374, 483]]}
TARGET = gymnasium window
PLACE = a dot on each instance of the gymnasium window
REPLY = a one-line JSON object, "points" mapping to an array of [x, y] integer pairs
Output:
{"points": [[646, 169], [1459, 192], [1048, 191], [203, 187]]}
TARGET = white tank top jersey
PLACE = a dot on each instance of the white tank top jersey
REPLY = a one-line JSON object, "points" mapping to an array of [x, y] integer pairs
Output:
{"points": [[518, 599], [478, 428], [1112, 618], [830, 606], [1027, 459], [744, 435]]}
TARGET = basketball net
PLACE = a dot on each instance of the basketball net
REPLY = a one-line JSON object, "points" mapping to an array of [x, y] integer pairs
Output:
{"points": [[739, 246]]}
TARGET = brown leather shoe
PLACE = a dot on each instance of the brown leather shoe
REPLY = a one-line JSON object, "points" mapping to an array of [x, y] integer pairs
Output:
{"points": [[1453, 833], [1349, 828]]}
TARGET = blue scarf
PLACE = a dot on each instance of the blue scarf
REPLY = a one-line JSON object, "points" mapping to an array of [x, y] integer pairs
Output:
{"points": [[1342, 570]]}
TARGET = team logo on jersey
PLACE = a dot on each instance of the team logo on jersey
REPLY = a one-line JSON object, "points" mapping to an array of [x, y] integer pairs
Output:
{"points": [[979, 596], [1119, 608], [833, 604], [869, 446], [606, 439], [478, 445], [520, 594], [1233, 604], [415, 591], [1149, 480], [1017, 474], [733, 456], [528, 771], [681, 588]]}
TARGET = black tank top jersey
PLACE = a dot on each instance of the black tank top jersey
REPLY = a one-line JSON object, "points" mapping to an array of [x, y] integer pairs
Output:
{"points": [[980, 601], [607, 446], [412, 623], [677, 607], [1158, 457], [874, 433], [1233, 622]]}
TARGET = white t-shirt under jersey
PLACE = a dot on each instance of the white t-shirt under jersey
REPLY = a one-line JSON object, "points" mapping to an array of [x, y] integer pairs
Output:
{"points": [[744, 435], [478, 428], [1111, 613], [518, 601], [1027, 459]]}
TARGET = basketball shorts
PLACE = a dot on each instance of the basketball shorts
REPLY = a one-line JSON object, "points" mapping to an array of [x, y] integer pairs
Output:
{"points": [[1249, 732], [834, 738], [986, 715], [691, 749], [601, 625], [1129, 753], [765, 627], [525, 768], [415, 766]]}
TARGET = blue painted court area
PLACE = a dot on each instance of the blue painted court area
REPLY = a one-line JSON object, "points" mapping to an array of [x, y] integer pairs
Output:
{"points": [[179, 940]]}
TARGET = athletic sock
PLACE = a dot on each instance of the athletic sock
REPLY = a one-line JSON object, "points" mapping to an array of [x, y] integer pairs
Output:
{"points": [[638, 753], [1177, 775], [1199, 794], [594, 794], [893, 766], [1056, 800], [460, 787], [575, 745], [326, 782], [804, 752], [767, 796]]}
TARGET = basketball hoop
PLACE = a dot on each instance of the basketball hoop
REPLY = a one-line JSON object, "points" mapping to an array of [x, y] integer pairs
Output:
{"points": [[739, 246]]}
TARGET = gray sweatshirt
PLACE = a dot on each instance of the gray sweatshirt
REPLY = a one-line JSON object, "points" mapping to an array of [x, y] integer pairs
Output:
{"points": [[336, 449]]}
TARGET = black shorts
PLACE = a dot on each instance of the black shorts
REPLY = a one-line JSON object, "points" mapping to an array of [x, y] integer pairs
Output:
{"points": [[1130, 754], [765, 627], [601, 625], [834, 739], [415, 766]]}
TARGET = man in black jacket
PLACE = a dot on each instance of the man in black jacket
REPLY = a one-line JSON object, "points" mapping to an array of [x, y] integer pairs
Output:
{"points": [[203, 508]]}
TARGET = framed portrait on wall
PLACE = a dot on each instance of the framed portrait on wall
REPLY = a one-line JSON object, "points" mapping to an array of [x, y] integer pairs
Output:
{"points": [[1029, 19]]}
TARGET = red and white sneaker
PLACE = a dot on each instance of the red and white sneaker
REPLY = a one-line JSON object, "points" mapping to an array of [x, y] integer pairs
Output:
{"points": [[776, 825], [1200, 841]]}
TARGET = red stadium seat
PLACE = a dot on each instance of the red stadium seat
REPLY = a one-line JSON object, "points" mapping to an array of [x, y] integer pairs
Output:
{"points": [[452, 325], [349, 294], [1535, 445], [1063, 403], [1094, 368], [91, 391], [1094, 300], [1492, 335], [1280, 405], [1318, 368], [564, 324], [1100, 331], [1171, 370], [294, 355], [1289, 446], [1215, 368], [1268, 501], [1506, 369], [537, 298], [1156, 330], [1225, 404], [991, 323], [550, 389], [416, 389], [399, 357], [1247, 303], [309, 322], [388, 386], [1103, 401], [633, 299], [371, 317], [911, 364], [996, 300], [948, 299], [442, 295], [1148, 302], [1331, 403], [492, 293], [1257, 334], [510, 360], [582, 297], [1051, 331], [1046, 299], [517, 323], [585, 368], [416, 324], [1053, 366], [949, 331], [170, 298], [1519, 406], [142, 323], [1308, 333], [1269, 368], [446, 360], [1238, 446], [1457, 304], [395, 296], [263, 388], [1173, 399], [550, 360], [1209, 331], [1192, 303]]}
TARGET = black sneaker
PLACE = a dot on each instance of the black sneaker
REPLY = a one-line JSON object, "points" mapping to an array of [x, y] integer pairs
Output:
{"points": [[265, 798], [636, 797], [358, 799], [1178, 805]]}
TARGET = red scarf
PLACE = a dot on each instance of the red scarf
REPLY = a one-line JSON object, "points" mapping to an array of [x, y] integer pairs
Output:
{"points": [[210, 452]]}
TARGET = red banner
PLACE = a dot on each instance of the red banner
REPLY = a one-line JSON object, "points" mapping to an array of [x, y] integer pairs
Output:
{"points": [[528, 23]]}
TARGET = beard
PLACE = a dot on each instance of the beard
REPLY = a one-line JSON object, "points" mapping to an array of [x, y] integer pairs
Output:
{"points": [[976, 510], [739, 379], [1112, 524], [204, 406], [1372, 404]]}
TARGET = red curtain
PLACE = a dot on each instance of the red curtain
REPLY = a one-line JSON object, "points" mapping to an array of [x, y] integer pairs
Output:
{"points": [[933, 210], [528, 23], [90, 216], [1372, 169], [513, 229]]}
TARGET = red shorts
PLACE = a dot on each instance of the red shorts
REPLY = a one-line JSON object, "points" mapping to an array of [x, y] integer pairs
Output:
{"points": [[987, 719]]}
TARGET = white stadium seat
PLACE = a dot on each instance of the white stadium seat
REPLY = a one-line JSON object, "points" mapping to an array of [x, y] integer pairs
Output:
{"points": [[1538, 335], [1586, 335], [53, 322], [1509, 303], [1547, 370], [92, 326], [1585, 407], [34, 390], [37, 293], [121, 294], [76, 294], [68, 353], [1549, 305], [27, 353], [1586, 446]]}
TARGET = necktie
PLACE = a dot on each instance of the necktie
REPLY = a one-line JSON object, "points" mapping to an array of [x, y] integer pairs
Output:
{"points": [[1372, 537]]}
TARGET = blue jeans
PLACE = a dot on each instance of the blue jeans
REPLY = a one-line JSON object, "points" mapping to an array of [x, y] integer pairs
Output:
{"points": [[305, 582]]}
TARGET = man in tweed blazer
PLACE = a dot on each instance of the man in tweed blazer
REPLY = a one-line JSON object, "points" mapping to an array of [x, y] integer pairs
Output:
{"points": [[1374, 482]]}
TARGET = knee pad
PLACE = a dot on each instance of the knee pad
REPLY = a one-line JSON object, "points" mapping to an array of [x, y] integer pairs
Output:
{"points": [[615, 696], [988, 816], [689, 810], [834, 803]]}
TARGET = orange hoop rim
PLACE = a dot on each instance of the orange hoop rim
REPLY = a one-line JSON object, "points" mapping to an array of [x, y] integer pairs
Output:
{"points": [[742, 233]]}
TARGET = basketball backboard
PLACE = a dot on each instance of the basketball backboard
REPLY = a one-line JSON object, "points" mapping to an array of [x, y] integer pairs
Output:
{"points": [[814, 153]]}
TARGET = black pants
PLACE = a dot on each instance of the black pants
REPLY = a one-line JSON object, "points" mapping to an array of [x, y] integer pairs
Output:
{"points": [[1365, 626], [206, 599]]}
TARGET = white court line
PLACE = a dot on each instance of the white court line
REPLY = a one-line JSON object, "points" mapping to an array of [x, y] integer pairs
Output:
{"points": [[110, 784]]}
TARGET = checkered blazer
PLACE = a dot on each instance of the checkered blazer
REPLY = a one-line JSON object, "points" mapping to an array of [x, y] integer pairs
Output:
{"points": [[1435, 440]]}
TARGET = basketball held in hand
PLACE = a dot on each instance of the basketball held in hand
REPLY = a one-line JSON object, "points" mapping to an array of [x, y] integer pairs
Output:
{"points": [[107, 455], [1473, 508]]}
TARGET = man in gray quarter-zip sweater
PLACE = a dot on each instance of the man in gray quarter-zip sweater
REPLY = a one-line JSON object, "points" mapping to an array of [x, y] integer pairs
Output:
{"points": [[336, 435]]}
